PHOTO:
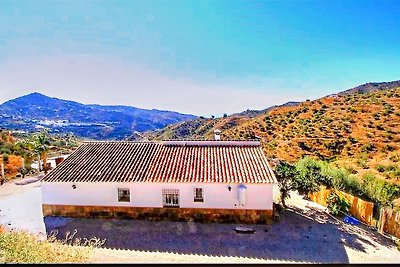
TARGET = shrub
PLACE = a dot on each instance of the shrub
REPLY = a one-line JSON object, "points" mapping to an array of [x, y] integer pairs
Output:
{"points": [[350, 169], [5, 158], [368, 148], [380, 191], [380, 168], [395, 158], [395, 173], [353, 110], [362, 163], [337, 176], [309, 176], [353, 186], [337, 204]]}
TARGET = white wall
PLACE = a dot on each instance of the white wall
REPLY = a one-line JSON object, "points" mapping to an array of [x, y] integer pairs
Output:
{"points": [[259, 196]]}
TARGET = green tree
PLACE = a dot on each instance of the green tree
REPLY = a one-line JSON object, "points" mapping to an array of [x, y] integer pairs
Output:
{"points": [[285, 174], [309, 176], [39, 145]]}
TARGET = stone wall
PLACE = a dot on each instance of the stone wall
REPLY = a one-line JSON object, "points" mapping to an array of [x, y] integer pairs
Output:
{"points": [[159, 214]]}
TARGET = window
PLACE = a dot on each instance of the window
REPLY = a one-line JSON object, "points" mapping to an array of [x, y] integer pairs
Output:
{"points": [[198, 195], [170, 197], [124, 195]]}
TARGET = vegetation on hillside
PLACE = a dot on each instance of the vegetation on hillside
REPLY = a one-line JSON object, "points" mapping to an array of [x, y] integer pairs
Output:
{"points": [[18, 150], [360, 131]]}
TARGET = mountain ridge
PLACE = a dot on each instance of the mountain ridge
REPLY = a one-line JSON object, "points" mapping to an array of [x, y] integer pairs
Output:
{"points": [[36, 110], [371, 86]]}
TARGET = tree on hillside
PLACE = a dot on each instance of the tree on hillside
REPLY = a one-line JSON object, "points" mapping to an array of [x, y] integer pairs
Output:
{"points": [[39, 145], [285, 174]]}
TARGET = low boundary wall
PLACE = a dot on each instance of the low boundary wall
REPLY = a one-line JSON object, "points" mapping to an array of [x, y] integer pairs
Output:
{"points": [[157, 214]]}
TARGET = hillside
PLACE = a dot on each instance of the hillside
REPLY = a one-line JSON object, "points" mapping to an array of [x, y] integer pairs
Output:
{"points": [[36, 110], [12, 152], [368, 87], [359, 130], [203, 128]]}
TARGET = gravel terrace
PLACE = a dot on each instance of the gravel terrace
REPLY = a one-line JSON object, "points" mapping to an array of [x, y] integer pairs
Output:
{"points": [[306, 233]]}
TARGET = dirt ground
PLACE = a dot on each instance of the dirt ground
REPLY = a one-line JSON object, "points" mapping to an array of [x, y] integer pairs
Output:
{"points": [[305, 234]]}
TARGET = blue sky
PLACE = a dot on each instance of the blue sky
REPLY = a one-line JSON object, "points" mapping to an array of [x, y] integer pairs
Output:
{"points": [[200, 57]]}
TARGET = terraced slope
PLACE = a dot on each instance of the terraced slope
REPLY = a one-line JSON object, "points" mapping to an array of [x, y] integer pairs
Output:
{"points": [[359, 130]]}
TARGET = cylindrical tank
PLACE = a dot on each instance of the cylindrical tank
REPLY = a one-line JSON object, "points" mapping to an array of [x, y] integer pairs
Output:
{"points": [[242, 195]]}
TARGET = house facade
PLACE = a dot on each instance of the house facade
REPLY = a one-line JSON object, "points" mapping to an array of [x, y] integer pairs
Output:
{"points": [[206, 181]]}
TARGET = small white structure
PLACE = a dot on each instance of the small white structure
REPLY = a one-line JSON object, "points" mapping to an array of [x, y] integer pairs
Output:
{"points": [[217, 134], [202, 180], [52, 161]]}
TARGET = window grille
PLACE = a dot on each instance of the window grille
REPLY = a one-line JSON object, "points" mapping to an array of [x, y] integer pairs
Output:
{"points": [[170, 197], [198, 195], [124, 195]]}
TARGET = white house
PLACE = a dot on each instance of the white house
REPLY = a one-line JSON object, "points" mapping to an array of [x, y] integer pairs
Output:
{"points": [[216, 181]]}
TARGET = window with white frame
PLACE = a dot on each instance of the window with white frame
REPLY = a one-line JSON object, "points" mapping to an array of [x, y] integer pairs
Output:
{"points": [[124, 195], [198, 195], [170, 197]]}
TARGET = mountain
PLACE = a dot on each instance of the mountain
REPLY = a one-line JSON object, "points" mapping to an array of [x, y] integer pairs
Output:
{"points": [[368, 87], [36, 110], [203, 128], [254, 113], [359, 129]]}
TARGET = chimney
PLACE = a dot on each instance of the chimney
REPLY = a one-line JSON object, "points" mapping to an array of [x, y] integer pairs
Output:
{"points": [[217, 134]]}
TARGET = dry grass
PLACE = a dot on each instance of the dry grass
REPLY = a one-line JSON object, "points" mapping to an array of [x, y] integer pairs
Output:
{"points": [[23, 247]]}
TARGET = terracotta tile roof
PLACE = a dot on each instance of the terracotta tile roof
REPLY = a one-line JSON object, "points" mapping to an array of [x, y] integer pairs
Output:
{"points": [[169, 161]]}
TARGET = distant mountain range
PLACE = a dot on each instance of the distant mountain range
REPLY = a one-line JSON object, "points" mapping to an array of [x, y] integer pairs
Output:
{"points": [[34, 111]]}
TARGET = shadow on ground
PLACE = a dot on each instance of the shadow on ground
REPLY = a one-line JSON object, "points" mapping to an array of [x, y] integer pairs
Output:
{"points": [[300, 236]]}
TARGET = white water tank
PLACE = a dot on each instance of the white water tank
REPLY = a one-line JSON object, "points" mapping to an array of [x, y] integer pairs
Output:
{"points": [[242, 195]]}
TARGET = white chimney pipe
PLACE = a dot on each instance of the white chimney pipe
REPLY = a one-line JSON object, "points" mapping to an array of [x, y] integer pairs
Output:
{"points": [[217, 135]]}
